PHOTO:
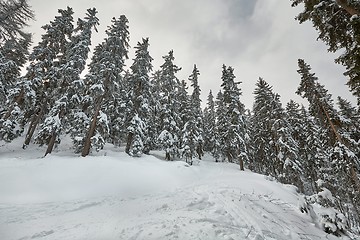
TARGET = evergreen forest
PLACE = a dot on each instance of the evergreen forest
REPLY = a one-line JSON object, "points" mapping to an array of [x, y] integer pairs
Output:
{"points": [[47, 97]]}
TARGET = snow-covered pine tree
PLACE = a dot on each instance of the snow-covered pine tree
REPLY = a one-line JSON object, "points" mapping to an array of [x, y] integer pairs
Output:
{"points": [[169, 124], [233, 131], [186, 124], [13, 56], [306, 134], [260, 127], [104, 86], [341, 174], [14, 44], [64, 108], [275, 151], [209, 124], [14, 15], [221, 120], [155, 124], [248, 138], [346, 154], [138, 129], [77, 55], [196, 113], [350, 122], [338, 24], [40, 83], [140, 92], [285, 149]]}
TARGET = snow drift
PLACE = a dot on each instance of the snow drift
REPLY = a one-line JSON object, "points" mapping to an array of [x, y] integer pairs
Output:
{"points": [[113, 196]]}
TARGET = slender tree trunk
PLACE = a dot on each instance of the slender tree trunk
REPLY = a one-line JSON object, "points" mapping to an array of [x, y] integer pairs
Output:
{"points": [[167, 156], [34, 122], [336, 133], [199, 151], [87, 144], [354, 177], [51, 143], [54, 135], [241, 163], [129, 140]]}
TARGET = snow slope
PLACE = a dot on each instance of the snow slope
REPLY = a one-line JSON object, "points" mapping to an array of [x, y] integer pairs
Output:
{"points": [[113, 196]]}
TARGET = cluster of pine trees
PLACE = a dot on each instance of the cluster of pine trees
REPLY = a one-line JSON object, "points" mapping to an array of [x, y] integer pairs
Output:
{"points": [[315, 148]]}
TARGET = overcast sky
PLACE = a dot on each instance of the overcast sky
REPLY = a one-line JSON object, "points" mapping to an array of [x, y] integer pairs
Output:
{"points": [[259, 38]]}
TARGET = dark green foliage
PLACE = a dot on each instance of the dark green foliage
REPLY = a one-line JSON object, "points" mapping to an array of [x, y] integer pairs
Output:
{"points": [[105, 98], [276, 152], [231, 123], [170, 120], [14, 15], [141, 98], [14, 45], [209, 124], [316, 149], [340, 173], [338, 24]]}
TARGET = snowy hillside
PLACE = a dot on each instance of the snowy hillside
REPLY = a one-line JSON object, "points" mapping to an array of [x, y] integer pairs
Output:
{"points": [[114, 196]]}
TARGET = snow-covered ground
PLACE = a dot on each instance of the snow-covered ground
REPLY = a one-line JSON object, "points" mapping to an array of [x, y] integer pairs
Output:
{"points": [[112, 196]]}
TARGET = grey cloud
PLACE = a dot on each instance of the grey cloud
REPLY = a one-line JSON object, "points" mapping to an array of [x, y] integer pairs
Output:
{"points": [[256, 37]]}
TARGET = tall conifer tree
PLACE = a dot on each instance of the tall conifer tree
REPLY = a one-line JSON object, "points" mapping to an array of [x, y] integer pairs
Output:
{"points": [[233, 130], [64, 107], [338, 24], [141, 98], [275, 151], [40, 84], [341, 175], [209, 124], [170, 120], [104, 83]]}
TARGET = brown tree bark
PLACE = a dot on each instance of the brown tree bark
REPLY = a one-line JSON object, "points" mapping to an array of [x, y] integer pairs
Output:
{"points": [[54, 135], [51, 143], [241, 163], [336, 133], [167, 156], [87, 144], [34, 122], [344, 4], [129, 140]]}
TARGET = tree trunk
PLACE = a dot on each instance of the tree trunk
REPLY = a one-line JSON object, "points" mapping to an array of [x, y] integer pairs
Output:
{"points": [[355, 178], [344, 4], [34, 122], [129, 140], [199, 151], [51, 143], [241, 163], [167, 156], [87, 144], [336, 133], [54, 135]]}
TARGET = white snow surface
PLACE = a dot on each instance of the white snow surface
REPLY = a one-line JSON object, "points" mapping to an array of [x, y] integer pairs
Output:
{"points": [[110, 195]]}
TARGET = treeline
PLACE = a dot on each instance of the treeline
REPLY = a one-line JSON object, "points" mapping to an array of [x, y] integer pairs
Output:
{"points": [[315, 148]]}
